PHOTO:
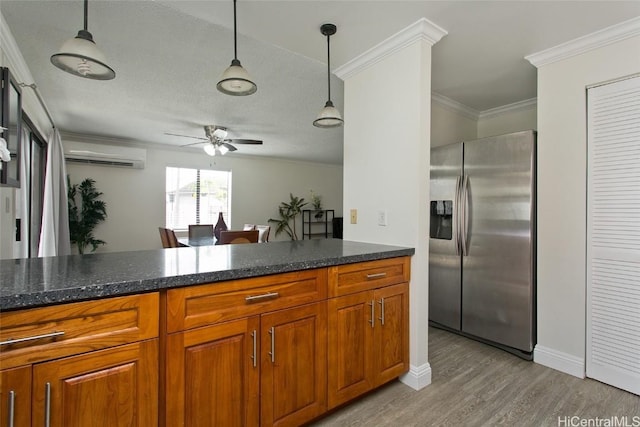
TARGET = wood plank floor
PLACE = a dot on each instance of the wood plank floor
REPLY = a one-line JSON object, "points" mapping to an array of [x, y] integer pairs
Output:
{"points": [[474, 384]]}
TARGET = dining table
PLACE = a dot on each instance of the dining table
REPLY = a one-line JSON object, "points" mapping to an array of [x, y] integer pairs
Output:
{"points": [[197, 241]]}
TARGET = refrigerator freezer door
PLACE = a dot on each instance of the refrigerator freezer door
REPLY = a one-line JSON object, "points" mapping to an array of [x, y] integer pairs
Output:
{"points": [[444, 263], [498, 268]]}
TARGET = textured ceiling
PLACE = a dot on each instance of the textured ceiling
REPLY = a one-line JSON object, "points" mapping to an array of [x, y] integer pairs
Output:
{"points": [[168, 56]]}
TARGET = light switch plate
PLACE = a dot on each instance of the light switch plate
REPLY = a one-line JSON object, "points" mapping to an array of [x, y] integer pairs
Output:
{"points": [[382, 218], [354, 216]]}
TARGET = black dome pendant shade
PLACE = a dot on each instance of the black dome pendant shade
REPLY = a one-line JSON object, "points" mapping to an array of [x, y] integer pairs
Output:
{"points": [[329, 117], [81, 57], [235, 79]]}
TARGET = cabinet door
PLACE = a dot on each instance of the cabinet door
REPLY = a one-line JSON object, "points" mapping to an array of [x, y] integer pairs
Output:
{"points": [[213, 375], [351, 321], [112, 387], [15, 397], [294, 365], [391, 332]]}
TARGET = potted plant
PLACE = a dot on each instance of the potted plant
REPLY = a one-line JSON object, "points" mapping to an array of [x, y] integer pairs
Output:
{"points": [[316, 202], [288, 213], [85, 217]]}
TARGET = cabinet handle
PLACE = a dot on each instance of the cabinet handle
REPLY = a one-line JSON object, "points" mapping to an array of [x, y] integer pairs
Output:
{"points": [[253, 356], [11, 409], [264, 297], [47, 404], [272, 332], [33, 338], [376, 275], [381, 318], [373, 317]]}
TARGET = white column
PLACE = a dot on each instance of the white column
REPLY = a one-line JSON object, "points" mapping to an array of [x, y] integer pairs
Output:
{"points": [[387, 97]]}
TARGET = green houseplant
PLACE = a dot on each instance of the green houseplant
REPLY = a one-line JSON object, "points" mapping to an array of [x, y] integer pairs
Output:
{"points": [[83, 218], [288, 213]]}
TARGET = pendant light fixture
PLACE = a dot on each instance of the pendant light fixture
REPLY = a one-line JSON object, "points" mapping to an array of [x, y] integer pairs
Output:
{"points": [[329, 117], [81, 57], [235, 79]]}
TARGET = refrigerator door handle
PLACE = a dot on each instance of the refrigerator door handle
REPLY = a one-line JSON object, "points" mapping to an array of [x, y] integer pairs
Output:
{"points": [[456, 225], [464, 219]]}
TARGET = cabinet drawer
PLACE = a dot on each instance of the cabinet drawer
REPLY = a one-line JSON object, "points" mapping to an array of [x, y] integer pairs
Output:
{"points": [[195, 306], [351, 278], [38, 334]]}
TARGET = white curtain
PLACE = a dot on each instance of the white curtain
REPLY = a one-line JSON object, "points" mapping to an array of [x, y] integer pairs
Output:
{"points": [[22, 195], [54, 234]]}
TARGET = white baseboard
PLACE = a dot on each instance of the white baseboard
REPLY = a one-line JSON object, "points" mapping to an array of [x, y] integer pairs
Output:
{"points": [[418, 377], [563, 362]]}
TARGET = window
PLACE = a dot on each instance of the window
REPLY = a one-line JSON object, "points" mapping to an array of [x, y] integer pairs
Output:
{"points": [[196, 196]]}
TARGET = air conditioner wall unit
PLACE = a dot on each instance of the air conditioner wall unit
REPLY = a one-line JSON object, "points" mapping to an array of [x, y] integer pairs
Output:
{"points": [[104, 155]]}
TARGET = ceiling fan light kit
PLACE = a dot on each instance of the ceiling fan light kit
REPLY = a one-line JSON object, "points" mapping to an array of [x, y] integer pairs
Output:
{"points": [[235, 79], [81, 57], [329, 116]]}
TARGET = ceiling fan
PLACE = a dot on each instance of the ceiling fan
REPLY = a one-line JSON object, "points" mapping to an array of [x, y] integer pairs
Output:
{"points": [[216, 140]]}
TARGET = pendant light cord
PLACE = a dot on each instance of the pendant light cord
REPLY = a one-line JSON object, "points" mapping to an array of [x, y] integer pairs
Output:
{"points": [[86, 13], [328, 67], [235, 41]]}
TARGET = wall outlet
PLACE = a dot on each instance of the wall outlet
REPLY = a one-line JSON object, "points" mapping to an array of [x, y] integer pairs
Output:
{"points": [[382, 218], [354, 216]]}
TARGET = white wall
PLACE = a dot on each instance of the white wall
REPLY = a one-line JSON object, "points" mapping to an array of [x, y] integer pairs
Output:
{"points": [[135, 198], [448, 126], [562, 157], [508, 121], [386, 167]]}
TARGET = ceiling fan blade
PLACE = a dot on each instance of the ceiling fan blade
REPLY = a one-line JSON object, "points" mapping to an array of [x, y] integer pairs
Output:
{"points": [[194, 143], [245, 141], [229, 146], [186, 136]]}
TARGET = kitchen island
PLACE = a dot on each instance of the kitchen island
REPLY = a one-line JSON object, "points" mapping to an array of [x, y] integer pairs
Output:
{"points": [[264, 334]]}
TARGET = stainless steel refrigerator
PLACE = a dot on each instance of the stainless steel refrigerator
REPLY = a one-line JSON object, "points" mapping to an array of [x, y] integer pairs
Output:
{"points": [[482, 240]]}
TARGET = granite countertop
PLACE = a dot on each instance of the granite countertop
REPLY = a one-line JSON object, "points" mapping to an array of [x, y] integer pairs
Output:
{"points": [[33, 282]]}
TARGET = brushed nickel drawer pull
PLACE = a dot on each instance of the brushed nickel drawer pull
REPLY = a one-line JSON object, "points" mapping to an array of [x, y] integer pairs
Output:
{"points": [[381, 318], [272, 353], [33, 338], [376, 275], [259, 298]]}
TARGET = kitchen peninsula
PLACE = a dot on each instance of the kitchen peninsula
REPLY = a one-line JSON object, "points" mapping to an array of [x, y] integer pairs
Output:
{"points": [[257, 334]]}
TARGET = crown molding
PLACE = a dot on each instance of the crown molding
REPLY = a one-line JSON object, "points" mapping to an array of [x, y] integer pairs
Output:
{"points": [[14, 59], [509, 108], [604, 37], [421, 30], [455, 106]]}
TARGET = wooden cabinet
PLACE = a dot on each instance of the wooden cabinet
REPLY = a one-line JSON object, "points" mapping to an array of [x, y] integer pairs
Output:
{"points": [[82, 364], [368, 331], [247, 352], [15, 397]]}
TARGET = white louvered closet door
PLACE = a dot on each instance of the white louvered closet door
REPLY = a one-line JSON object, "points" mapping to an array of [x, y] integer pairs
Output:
{"points": [[613, 234]]}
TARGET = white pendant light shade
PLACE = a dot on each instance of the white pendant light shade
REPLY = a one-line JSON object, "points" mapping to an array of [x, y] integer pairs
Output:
{"points": [[81, 57], [329, 117], [210, 149], [236, 81]]}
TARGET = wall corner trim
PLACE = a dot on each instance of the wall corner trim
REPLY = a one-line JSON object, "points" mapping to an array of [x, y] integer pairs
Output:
{"points": [[563, 362], [600, 38], [418, 377], [421, 30]]}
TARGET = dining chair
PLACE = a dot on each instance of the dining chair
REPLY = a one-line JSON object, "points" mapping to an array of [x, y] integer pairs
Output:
{"points": [[248, 227], [263, 233], [238, 236], [164, 238], [200, 230]]}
